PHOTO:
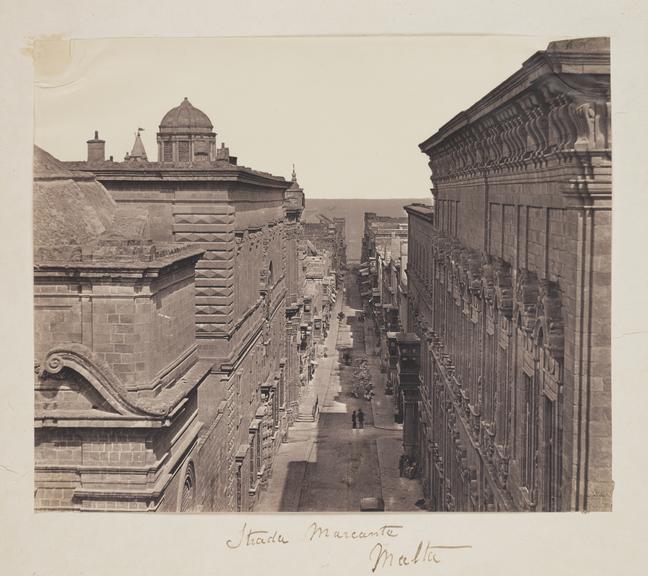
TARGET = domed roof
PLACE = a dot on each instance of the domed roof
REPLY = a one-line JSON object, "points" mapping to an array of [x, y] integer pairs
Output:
{"points": [[185, 118]]}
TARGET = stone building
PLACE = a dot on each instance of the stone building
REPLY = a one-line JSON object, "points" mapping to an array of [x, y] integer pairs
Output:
{"points": [[401, 286], [118, 372], [383, 286], [234, 221], [329, 235], [298, 350], [388, 267], [377, 230], [380, 267], [509, 292], [379, 233]]}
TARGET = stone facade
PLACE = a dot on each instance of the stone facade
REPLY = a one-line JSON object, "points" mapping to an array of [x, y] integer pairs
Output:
{"points": [[509, 292], [329, 235], [384, 286], [117, 366], [297, 349], [378, 230], [319, 291], [203, 329]]}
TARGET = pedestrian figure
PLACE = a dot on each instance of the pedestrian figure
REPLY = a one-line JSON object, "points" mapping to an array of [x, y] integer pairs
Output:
{"points": [[360, 418], [402, 462], [353, 419]]}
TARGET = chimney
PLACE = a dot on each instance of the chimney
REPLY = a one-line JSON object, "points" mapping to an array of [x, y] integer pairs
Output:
{"points": [[222, 153], [96, 149]]}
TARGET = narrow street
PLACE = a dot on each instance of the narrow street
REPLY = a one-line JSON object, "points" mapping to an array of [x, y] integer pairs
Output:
{"points": [[326, 466]]}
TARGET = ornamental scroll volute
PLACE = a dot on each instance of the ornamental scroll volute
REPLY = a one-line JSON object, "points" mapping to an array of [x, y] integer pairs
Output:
{"points": [[536, 125], [592, 124], [562, 127], [578, 117]]}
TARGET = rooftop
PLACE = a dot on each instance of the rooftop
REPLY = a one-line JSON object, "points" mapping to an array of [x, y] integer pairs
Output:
{"points": [[77, 221], [185, 118], [158, 170], [425, 210]]}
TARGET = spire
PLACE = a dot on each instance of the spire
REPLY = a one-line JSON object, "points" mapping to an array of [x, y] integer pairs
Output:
{"points": [[138, 152], [294, 185]]}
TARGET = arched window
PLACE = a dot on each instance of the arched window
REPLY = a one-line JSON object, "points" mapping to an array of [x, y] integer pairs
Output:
{"points": [[188, 489]]}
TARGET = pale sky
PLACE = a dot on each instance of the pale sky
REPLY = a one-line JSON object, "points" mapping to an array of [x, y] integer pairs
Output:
{"points": [[349, 112]]}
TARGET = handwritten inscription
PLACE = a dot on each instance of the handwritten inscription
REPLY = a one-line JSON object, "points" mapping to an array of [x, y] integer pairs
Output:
{"points": [[316, 532], [249, 537], [382, 557]]}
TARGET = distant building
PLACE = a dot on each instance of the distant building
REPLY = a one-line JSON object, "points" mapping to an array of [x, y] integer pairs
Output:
{"points": [[329, 234], [298, 348], [381, 249], [388, 266], [320, 293], [383, 286], [377, 230], [509, 293]]}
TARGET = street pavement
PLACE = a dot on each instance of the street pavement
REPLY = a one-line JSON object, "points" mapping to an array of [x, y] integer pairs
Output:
{"points": [[325, 465]]}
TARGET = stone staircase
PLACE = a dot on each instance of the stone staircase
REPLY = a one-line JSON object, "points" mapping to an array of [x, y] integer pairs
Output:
{"points": [[308, 411]]}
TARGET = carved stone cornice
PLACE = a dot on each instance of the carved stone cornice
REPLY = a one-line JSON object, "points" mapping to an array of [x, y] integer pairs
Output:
{"points": [[554, 108]]}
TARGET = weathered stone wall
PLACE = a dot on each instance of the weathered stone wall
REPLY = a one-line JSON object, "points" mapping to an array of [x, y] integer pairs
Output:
{"points": [[107, 468], [511, 290], [67, 459], [57, 315], [138, 328], [205, 212], [294, 310], [206, 219]]}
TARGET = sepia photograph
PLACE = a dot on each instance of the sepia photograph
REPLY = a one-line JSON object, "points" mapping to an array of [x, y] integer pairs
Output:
{"points": [[270, 266], [260, 286]]}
